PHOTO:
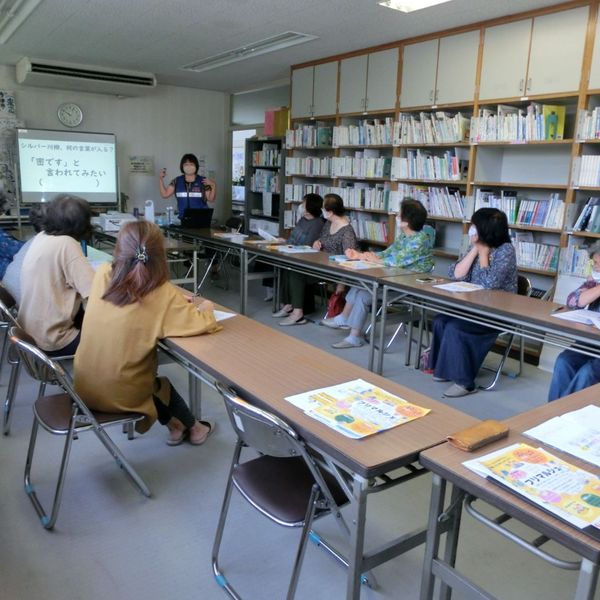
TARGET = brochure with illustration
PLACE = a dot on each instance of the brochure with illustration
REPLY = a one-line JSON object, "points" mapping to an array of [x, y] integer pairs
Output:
{"points": [[295, 249], [576, 432], [568, 492], [357, 408], [581, 315]]}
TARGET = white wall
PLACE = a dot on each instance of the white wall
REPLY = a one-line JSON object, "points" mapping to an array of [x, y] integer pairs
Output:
{"points": [[165, 124]]}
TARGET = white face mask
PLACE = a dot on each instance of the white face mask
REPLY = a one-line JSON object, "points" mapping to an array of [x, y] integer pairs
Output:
{"points": [[472, 231], [596, 276], [325, 213], [189, 169]]}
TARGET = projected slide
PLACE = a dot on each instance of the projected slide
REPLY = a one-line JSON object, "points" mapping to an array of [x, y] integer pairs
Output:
{"points": [[67, 162]]}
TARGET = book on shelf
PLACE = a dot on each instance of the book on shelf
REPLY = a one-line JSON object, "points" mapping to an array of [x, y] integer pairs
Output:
{"points": [[445, 202], [431, 128], [588, 124], [451, 165], [309, 136], [368, 229], [368, 132], [554, 121], [587, 170], [575, 260]]}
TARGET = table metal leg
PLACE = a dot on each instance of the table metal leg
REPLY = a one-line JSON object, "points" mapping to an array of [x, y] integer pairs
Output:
{"points": [[434, 531], [409, 337], [382, 321], [195, 395], [373, 326], [195, 269], [588, 578], [454, 514], [420, 341], [358, 510]]}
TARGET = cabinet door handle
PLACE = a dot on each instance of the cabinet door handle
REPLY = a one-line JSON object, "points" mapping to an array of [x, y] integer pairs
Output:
{"points": [[431, 96], [521, 84], [437, 95], [366, 103], [529, 84]]}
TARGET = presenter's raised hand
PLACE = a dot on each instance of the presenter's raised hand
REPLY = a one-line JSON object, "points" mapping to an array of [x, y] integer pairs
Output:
{"points": [[163, 173]]}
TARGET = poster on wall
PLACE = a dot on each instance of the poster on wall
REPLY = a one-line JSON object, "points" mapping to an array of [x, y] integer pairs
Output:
{"points": [[8, 126], [141, 164]]}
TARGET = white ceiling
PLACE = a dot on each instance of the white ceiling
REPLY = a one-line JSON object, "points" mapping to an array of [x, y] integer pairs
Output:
{"points": [[160, 36]]}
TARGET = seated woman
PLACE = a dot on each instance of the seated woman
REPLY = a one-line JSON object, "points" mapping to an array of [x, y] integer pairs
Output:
{"points": [[132, 305], [411, 250], [459, 347], [12, 278], [305, 233], [574, 371], [336, 237], [56, 277]]}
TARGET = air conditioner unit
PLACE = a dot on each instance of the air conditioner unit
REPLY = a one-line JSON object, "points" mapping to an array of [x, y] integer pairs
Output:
{"points": [[83, 78]]}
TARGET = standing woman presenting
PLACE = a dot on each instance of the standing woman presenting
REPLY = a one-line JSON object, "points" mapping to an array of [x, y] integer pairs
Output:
{"points": [[190, 189]]}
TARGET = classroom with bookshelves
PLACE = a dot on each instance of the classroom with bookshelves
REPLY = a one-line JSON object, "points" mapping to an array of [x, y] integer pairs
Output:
{"points": [[504, 114]]}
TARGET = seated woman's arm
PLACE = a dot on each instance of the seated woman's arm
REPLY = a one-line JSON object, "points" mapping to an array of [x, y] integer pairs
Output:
{"points": [[585, 294], [462, 268], [495, 273]]}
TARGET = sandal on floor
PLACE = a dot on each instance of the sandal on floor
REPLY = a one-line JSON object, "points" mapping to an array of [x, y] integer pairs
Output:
{"points": [[177, 436], [199, 441], [292, 321]]}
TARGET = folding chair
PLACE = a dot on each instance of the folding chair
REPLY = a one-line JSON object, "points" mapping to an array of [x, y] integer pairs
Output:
{"points": [[65, 414], [7, 314], [284, 483], [523, 289]]}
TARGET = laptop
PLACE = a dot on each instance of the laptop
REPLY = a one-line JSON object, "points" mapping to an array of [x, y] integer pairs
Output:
{"points": [[197, 218]]}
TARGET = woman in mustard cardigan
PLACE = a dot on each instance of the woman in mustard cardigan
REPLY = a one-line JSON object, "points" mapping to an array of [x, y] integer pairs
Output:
{"points": [[132, 305]]}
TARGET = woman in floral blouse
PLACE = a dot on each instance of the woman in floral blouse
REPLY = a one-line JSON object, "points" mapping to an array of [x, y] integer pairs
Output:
{"points": [[574, 371], [410, 250]]}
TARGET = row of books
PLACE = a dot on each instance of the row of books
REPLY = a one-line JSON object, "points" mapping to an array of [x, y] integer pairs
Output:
{"points": [[588, 124], [291, 216], [354, 195], [264, 181], [587, 170], [589, 217], [532, 255], [420, 164], [358, 166], [269, 156], [575, 260], [439, 202], [367, 229], [373, 132], [536, 122], [431, 128], [309, 165], [523, 211], [308, 136]]}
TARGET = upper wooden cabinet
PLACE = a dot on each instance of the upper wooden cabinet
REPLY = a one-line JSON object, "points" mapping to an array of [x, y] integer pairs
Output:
{"points": [[314, 90], [440, 71], [368, 82], [594, 82], [535, 56]]}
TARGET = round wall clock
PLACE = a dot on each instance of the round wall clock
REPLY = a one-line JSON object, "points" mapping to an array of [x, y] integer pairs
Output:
{"points": [[70, 114]]}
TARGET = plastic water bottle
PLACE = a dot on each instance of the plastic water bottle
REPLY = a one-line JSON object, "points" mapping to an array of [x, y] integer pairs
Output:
{"points": [[149, 211], [169, 215]]}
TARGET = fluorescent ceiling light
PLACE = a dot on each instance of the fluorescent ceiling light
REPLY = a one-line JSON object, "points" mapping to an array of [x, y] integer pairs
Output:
{"points": [[12, 15], [410, 5], [270, 44]]}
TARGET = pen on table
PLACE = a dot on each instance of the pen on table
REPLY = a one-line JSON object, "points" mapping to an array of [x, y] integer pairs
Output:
{"points": [[558, 309]]}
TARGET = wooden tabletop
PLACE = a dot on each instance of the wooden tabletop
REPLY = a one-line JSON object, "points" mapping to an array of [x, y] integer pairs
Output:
{"points": [[264, 366], [446, 461], [500, 304]]}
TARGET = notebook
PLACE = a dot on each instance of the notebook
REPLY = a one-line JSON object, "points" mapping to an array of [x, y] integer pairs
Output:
{"points": [[197, 218]]}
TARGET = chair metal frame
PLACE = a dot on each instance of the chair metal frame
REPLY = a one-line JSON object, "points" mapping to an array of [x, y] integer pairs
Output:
{"points": [[48, 371], [273, 437], [524, 289]]}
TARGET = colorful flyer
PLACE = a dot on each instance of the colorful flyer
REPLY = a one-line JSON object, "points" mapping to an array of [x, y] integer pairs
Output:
{"points": [[357, 408], [565, 490]]}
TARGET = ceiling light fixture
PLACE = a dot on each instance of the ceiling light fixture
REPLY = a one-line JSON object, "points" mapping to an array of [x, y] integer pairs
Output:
{"points": [[12, 15], [270, 44], [407, 6]]}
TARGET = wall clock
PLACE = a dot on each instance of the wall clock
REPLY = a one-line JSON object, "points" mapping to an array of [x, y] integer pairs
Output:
{"points": [[70, 114]]}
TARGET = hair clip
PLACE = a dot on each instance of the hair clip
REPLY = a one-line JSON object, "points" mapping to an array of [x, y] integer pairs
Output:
{"points": [[141, 255]]}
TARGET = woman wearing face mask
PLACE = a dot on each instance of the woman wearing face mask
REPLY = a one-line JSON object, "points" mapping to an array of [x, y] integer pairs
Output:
{"points": [[574, 371], [306, 231], [459, 347], [190, 189], [410, 250], [336, 237]]}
